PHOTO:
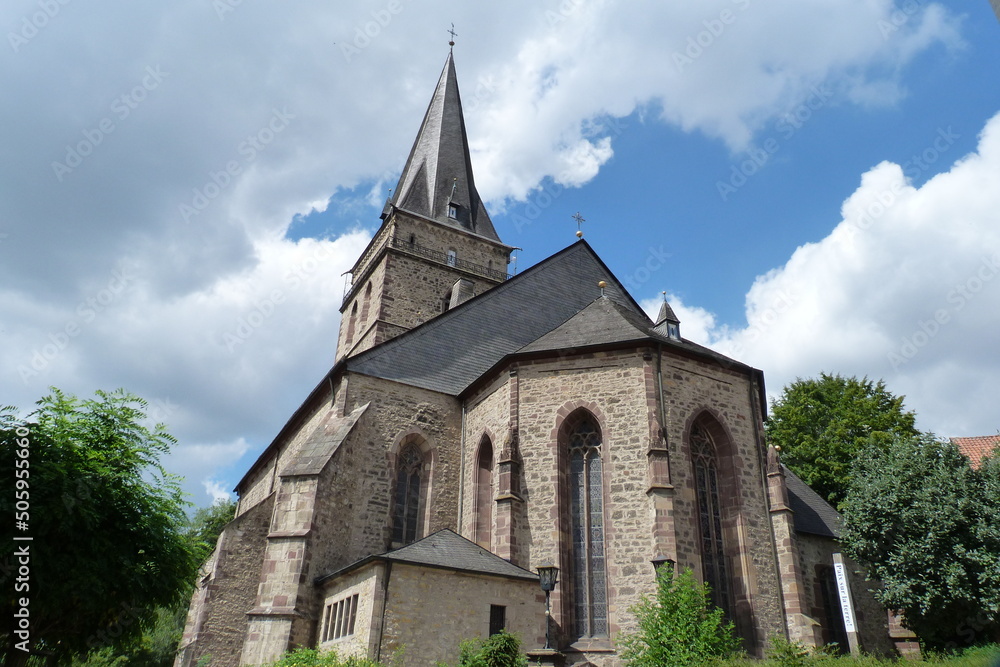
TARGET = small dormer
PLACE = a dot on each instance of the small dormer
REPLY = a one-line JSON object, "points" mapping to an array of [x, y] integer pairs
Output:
{"points": [[667, 323]]}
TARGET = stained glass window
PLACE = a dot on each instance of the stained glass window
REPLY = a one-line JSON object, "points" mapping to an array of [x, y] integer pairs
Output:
{"points": [[586, 505], [406, 505], [713, 553]]}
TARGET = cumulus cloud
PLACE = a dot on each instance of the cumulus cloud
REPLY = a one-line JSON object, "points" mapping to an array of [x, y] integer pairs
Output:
{"points": [[163, 153], [906, 287]]}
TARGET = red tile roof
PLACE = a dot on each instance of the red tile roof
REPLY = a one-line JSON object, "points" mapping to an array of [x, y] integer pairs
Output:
{"points": [[977, 447]]}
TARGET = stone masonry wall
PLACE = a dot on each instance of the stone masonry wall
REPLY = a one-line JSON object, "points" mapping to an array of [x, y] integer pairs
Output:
{"points": [[487, 414], [871, 620], [610, 386], [430, 611], [366, 584], [217, 617], [698, 390], [263, 482]]}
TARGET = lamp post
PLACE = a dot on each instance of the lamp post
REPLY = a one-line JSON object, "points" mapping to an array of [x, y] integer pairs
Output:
{"points": [[659, 560], [548, 577]]}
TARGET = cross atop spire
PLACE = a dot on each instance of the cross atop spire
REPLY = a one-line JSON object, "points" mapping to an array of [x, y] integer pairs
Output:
{"points": [[579, 224], [452, 32], [437, 181]]}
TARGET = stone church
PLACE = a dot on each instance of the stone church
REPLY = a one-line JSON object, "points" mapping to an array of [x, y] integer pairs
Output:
{"points": [[477, 425]]}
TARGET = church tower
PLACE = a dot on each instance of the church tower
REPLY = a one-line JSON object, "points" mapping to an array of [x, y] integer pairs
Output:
{"points": [[436, 247]]}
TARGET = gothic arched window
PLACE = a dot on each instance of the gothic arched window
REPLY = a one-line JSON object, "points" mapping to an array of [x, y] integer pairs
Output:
{"points": [[406, 502], [713, 552], [484, 494], [588, 573]]}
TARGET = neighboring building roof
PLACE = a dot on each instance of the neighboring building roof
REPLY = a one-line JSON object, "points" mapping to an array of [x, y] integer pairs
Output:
{"points": [[811, 513], [438, 171], [977, 447], [448, 550], [555, 305]]}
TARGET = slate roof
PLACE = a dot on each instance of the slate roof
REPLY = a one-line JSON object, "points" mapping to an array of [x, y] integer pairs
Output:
{"points": [[447, 550], [810, 512], [454, 349], [977, 447], [438, 171], [316, 451], [600, 323], [555, 305]]}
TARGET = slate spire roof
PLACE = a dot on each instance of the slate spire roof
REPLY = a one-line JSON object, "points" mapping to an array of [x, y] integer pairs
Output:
{"points": [[437, 181]]}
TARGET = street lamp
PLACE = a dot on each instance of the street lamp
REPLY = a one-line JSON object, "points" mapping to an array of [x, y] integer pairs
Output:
{"points": [[548, 577], [659, 561]]}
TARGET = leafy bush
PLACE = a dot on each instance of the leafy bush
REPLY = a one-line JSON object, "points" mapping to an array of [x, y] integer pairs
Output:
{"points": [[308, 657], [678, 626], [500, 650]]}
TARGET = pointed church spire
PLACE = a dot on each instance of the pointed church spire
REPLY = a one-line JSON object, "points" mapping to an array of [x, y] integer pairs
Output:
{"points": [[437, 181]]}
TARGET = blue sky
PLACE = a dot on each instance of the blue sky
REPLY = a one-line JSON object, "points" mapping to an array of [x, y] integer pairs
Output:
{"points": [[814, 185]]}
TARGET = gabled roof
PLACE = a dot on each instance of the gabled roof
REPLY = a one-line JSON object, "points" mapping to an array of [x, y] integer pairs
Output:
{"points": [[438, 171], [447, 550], [810, 512], [978, 447], [601, 323], [555, 305], [454, 349]]}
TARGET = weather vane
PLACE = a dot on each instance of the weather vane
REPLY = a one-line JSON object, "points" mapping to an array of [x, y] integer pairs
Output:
{"points": [[452, 32], [579, 224]]}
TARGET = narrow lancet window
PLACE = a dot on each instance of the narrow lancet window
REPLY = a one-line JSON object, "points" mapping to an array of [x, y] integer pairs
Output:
{"points": [[713, 552], [586, 506]]}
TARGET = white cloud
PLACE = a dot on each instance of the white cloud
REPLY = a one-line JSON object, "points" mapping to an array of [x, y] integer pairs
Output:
{"points": [[184, 162], [217, 491], [905, 288]]}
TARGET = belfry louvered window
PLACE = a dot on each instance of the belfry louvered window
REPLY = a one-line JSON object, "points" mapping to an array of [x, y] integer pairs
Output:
{"points": [[586, 505], [406, 503], [713, 552]]}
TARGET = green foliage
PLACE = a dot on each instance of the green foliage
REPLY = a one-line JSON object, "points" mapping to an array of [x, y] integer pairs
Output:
{"points": [[678, 626], [307, 657], [206, 525], [821, 425], [105, 518], [924, 523], [787, 653], [500, 650]]}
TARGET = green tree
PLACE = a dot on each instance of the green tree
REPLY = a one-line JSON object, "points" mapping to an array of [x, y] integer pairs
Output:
{"points": [[924, 523], [821, 425], [106, 522], [678, 626]]}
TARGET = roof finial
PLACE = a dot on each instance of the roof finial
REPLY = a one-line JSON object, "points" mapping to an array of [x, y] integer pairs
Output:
{"points": [[579, 223], [664, 293], [451, 42]]}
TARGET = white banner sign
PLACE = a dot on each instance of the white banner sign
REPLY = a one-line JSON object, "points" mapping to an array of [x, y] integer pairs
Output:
{"points": [[845, 596]]}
